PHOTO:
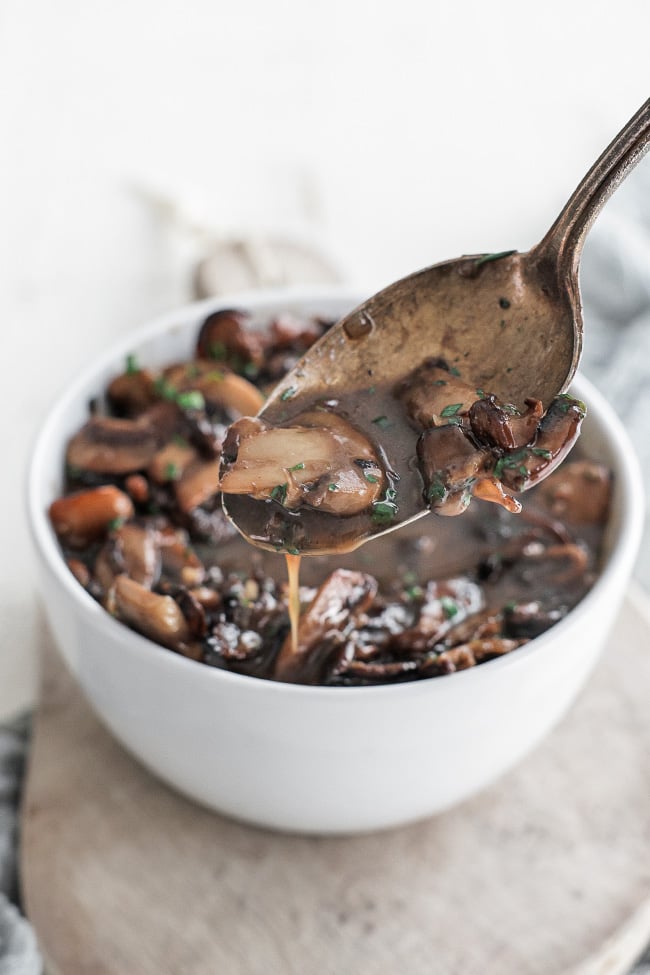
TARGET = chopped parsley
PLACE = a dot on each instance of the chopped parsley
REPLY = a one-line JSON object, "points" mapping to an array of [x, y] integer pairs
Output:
{"points": [[132, 365], [172, 472], [180, 441], [332, 487], [383, 512], [488, 258], [414, 592], [451, 409], [437, 490], [288, 393], [540, 452], [292, 550], [114, 524], [192, 400], [449, 607], [381, 421], [165, 390], [279, 493], [454, 371], [511, 462], [370, 478], [439, 382], [296, 467], [218, 350]]}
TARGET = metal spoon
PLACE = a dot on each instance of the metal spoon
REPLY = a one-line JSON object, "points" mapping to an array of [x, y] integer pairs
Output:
{"points": [[509, 323]]}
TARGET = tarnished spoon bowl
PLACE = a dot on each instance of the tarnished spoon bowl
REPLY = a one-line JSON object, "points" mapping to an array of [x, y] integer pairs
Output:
{"points": [[507, 323]]}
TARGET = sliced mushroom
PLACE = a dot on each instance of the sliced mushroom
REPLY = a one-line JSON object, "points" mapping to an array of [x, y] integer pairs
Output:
{"points": [[220, 387], [86, 516], [321, 461], [171, 462], [433, 395], [132, 392], [228, 336], [108, 445], [446, 604], [158, 617], [450, 464], [498, 425], [322, 628], [130, 550], [580, 492], [556, 435], [197, 484], [179, 561]]}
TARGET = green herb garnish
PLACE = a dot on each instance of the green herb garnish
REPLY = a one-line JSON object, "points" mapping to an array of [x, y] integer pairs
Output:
{"points": [[192, 400], [218, 350], [279, 493], [114, 524], [504, 303], [165, 389], [439, 382], [381, 421], [296, 467], [293, 550], [370, 478], [132, 365], [488, 258], [454, 371], [172, 473], [180, 441], [451, 409], [449, 607], [437, 490], [332, 487], [540, 452], [288, 393], [414, 592]]}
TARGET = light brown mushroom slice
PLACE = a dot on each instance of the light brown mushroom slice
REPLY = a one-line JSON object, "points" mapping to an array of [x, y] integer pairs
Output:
{"points": [[322, 461], [218, 384], [157, 617], [198, 483], [86, 516], [170, 463]]}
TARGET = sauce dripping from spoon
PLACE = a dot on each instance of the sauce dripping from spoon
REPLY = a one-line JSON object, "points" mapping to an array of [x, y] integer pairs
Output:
{"points": [[293, 571]]}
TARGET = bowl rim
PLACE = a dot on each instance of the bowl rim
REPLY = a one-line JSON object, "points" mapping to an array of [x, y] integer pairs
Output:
{"points": [[44, 541]]}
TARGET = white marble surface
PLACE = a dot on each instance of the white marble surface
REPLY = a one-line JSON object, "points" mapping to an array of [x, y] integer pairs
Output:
{"points": [[392, 135]]}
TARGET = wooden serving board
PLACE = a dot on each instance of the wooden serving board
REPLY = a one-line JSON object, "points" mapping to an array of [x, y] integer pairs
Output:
{"points": [[546, 873]]}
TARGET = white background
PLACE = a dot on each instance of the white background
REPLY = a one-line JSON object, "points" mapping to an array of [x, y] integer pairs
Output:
{"points": [[394, 134]]}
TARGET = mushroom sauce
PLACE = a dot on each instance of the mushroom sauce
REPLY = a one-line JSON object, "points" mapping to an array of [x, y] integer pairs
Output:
{"points": [[143, 528]]}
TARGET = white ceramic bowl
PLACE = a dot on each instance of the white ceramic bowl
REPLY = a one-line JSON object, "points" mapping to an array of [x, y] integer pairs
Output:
{"points": [[319, 759]]}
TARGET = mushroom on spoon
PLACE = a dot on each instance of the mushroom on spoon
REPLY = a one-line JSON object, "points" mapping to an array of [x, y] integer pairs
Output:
{"points": [[471, 353]]}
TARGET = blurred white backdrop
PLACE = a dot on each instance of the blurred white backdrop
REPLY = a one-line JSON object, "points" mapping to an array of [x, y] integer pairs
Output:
{"points": [[393, 135]]}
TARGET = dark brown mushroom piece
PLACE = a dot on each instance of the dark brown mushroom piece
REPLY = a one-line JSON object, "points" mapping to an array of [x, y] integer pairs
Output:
{"points": [[132, 392], [433, 394], [450, 463], [323, 628], [228, 336], [580, 493], [556, 435], [502, 425], [446, 603]]}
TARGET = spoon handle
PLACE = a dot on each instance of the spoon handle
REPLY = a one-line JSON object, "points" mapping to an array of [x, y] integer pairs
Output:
{"points": [[562, 245]]}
